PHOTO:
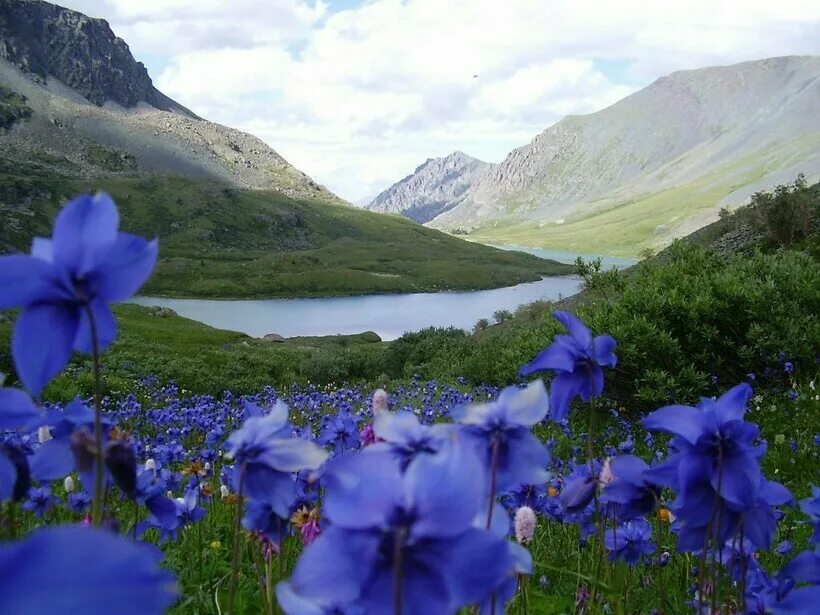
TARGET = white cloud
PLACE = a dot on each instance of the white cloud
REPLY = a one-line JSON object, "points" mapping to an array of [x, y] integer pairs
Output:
{"points": [[360, 97]]}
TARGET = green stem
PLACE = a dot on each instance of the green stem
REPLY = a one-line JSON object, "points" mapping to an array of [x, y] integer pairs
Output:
{"points": [[97, 502], [236, 534]]}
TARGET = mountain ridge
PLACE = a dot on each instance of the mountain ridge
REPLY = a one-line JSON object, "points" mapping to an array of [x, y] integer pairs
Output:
{"points": [[434, 187]]}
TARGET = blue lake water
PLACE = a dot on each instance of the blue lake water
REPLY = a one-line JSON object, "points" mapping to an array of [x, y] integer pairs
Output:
{"points": [[387, 315]]}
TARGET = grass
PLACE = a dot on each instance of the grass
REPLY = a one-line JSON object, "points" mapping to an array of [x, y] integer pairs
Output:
{"points": [[221, 242], [13, 107]]}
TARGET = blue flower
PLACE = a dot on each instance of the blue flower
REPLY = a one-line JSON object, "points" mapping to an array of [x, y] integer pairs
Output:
{"points": [[403, 435], [341, 432], [78, 501], [266, 455], [40, 501], [69, 280], [71, 569], [15, 475], [811, 508], [578, 360], [716, 468], [630, 541], [502, 432], [421, 520], [17, 410], [629, 488]]}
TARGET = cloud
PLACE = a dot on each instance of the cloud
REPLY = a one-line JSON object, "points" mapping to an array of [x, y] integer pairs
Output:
{"points": [[358, 94]]}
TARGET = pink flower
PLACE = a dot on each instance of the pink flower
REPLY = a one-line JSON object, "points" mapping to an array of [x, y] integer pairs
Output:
{"points": [[367, 436], [524, 525], [310, 531]]}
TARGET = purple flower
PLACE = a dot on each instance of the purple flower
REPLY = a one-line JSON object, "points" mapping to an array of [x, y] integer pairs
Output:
{"points": [[630, 541], [78, 501], [578, 360], [72, 569], [634, 495], [405, 437], [69, 280]]}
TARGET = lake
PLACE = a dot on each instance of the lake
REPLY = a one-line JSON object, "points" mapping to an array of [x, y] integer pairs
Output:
{"points": [[387, 315], [607, 262]]}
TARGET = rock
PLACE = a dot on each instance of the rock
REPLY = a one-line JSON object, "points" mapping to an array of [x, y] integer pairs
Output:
{"points": [[274, 337], [162, 312], [44, 39]]}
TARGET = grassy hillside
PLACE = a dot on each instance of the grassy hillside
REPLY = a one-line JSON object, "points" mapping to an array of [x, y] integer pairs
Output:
{"points": [[217, 241]]}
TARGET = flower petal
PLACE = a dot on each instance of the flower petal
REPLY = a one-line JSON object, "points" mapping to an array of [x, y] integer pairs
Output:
{"points": [[561, 355], [25, 280], [372, 477], [127, 265], [603, 348], [684, 421], [16, 409], [563, 388], [525, 406], [577, 329], [42, 341], [731, 406], [83, 231], [39, 574], [105, 324]]}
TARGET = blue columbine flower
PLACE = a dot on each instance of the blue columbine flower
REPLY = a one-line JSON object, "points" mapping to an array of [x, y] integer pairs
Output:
{"points": [[266, 454], [505, 426], [71, 569], [423, 516], [811, 508], [78, 501], [578, 360], [341, 432], [634, 495], [17, 410], [716, 467], [630, 541], [403, 435], [67, 280], [40, 500]]}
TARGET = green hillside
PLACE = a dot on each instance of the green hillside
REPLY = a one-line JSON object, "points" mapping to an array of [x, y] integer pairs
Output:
{"points": [[218, 241]]}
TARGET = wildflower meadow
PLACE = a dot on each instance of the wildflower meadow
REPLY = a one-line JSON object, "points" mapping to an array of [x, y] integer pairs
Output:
{"points": [[432, 497]]}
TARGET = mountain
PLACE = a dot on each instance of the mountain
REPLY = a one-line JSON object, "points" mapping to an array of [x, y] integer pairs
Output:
{"points": [[92, 106], [654, 166], [78, 114], [432, 189]]}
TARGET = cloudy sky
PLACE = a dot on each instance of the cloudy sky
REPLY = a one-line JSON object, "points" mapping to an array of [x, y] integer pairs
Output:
{"points": [[357, 93]]}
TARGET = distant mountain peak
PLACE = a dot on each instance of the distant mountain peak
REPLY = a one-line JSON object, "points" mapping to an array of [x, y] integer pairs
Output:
{"points": [[434, 187], [45, 40]]}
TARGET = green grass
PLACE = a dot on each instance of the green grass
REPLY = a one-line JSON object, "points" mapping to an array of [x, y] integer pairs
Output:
{"points": [[13, 107], [222, 242]]}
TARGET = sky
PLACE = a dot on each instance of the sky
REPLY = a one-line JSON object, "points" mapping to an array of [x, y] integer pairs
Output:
{"points": [[358, 93]]}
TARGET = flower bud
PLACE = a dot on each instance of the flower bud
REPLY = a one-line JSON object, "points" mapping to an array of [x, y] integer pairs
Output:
{"points": [[207, 466], [577, 494], [224, 491], [606, 476], [524, 525], [121, 461], [150, 464], [68, 484]]}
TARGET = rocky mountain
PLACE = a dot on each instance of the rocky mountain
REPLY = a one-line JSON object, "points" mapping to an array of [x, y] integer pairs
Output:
{"points": [[90, 108], [655, 165], [433, 188]]}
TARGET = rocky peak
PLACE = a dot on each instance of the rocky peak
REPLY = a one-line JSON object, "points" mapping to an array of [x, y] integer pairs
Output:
{"points": [[433, 188], [43, 39]]}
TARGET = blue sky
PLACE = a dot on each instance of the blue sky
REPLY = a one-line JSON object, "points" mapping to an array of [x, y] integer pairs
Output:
{"points": [[358, 93]]}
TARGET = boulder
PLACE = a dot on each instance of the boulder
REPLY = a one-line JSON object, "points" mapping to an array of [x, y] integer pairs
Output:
{"points": [[274, 337]]}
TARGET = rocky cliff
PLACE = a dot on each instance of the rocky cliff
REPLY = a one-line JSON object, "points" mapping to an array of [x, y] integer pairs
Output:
{"points": [[433, 188]]}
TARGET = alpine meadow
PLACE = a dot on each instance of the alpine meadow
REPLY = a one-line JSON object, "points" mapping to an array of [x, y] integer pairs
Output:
{"points": [[574, 371]]}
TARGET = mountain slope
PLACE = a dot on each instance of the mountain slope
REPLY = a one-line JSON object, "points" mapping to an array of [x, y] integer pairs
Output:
{"points": [[220, 241], [433, 188], [94, 107], [655, 165]]}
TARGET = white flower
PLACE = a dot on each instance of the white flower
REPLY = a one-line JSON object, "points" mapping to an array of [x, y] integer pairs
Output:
{"points": [[524, 525], [150, 464], [170, 494], [207, 466], [811, 383], [606, 476], [43, 434], [68, 484], [224, 491]]}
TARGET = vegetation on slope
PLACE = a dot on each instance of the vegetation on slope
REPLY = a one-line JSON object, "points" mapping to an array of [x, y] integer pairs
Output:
{"points": [[13, 107], [217, 241]]}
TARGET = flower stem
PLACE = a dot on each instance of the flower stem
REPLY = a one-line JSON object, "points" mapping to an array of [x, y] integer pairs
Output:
{"points": [[97, 502], [236, 533], [398, 549], [493, 480]]}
